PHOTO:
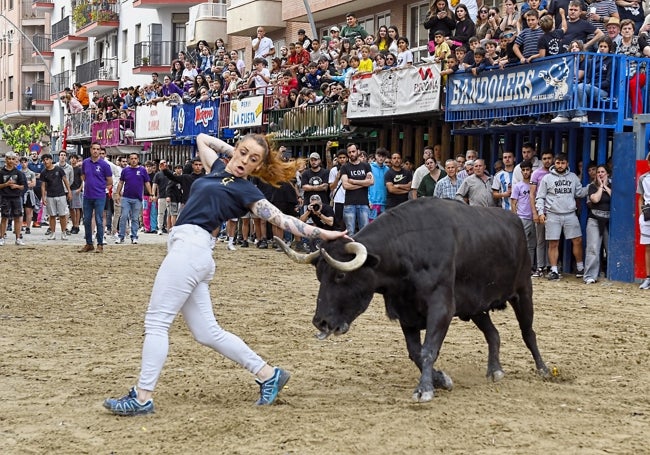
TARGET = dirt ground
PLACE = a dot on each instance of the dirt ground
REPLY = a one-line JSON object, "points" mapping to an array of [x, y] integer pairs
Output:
{"points": [[71, 332]]}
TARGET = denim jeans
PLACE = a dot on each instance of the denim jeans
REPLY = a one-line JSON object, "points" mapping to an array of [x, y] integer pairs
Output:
{"points": [[354, 215], [96, 205], [588, 95], [130, 208]]}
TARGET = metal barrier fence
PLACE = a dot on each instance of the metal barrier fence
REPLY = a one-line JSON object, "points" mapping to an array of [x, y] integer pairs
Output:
{"points": [[318, 120]]}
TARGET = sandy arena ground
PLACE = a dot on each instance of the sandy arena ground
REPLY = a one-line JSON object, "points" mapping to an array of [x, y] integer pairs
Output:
{"points": [[72, 328]]}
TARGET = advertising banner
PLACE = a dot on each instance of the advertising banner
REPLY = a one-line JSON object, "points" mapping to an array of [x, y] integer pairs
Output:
{"points": [[396, 92], [153, 122], [519, 85], [189, 120], [246, 112]]}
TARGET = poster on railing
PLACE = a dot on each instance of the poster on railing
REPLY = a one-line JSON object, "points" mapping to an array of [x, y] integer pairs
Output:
{"points": [[153, 122], [246, 112], [396, 92], [189, 120], [520, 85], [107, 133]]}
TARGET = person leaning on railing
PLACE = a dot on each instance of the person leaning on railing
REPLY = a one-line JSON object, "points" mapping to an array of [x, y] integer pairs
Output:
{"points": [[634, 46]]}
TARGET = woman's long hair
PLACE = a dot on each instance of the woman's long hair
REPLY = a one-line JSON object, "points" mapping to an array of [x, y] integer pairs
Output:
{"points": [[275, 169]]}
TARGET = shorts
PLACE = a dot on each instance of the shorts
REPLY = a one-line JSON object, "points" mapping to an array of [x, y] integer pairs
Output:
{"points": [[567, 222], [57, 206], [644, 227], [77, 200], [11, 207], [174, 208]]}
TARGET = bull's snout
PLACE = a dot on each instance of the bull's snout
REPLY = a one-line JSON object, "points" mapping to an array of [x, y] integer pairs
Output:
{"points": [[330, 328]]}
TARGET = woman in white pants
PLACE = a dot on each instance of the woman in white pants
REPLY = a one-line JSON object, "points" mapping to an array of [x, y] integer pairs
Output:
{"points": [[181, 284]]}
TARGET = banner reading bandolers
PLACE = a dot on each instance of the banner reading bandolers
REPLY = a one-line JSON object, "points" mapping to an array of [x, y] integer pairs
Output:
{"points": [[246, 112], [395, 92], [520, 85]]}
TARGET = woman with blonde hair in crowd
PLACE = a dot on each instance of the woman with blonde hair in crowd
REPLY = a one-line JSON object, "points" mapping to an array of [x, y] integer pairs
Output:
{"points": [[182, 281]]}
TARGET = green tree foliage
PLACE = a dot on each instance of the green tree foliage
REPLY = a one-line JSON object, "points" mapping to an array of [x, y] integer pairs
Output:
{"points": [[20, 137]]}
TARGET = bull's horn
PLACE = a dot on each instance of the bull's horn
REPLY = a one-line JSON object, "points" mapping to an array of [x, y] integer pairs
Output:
{"points": [[300, 258], [360, 255]]}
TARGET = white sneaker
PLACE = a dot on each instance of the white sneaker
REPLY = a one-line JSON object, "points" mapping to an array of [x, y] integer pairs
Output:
{"points": [[231, 247], [159, 231], [559, 119], [2, 241], [590, 281], [134, 241], [52, 236], [20, 242], [64, 236], [580, 119], [645, 284]]}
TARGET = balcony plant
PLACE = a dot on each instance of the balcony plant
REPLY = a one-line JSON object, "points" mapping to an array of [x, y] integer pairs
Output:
{"points": [[81, 15], [103, 16], [145, 61]]}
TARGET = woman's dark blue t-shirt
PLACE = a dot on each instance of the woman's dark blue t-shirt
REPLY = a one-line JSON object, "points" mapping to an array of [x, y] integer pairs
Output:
{"points": [[218, 197]]}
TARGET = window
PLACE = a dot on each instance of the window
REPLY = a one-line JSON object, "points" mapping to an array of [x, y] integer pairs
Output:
{"points": [[418, 36], [125, 45], [10, 88], [383, 19], [368, 23]]}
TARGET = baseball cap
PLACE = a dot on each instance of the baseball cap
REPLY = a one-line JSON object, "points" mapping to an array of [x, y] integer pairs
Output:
{"points": [[314, 156], [334, 29]]}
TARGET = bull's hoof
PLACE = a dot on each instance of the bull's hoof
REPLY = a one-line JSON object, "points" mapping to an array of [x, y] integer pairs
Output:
{"points": [[441, 380], [422, 396], [496, 375], [546, 374]]}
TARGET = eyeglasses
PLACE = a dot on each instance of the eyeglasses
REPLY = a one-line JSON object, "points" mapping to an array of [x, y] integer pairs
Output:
{"points": [[389, 59], [483, 11], [507, 35]]}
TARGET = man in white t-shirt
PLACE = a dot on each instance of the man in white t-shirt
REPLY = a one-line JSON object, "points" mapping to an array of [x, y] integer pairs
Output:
{"points": [[421, 171], [336, 187], [262, 45], [262, 76]]}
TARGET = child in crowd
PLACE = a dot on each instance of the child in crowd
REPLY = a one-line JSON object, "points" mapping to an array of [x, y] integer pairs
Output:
{"points": [[461, 52], [507, 55], [480, 62], [442, 49], [551, 41], [520, 205], [404, 56], [491, 51], [365, 63]]}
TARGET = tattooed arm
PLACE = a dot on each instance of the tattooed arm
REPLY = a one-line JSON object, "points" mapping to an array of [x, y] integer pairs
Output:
{"points": [[269, 212], [210, 148]]}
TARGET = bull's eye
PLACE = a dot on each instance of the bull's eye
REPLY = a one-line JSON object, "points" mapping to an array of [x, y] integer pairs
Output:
{"points": [[339, 277]]}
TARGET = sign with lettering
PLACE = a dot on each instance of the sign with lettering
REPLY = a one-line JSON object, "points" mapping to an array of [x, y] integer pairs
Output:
{"points": [[153, 122], [402, 91], [246, 112], [189, 120], [520, 85]]}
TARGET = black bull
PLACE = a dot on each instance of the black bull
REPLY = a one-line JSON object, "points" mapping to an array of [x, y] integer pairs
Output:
{"points": [[431, 259]]}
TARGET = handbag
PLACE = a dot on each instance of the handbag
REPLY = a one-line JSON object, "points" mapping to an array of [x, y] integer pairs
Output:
{"points": [[646, 212], [431, 46]]}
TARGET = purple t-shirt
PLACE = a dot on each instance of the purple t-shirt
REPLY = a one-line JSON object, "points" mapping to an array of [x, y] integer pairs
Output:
{"points": [[134, 179], [521, 193], [538, 175], [95, 175]]}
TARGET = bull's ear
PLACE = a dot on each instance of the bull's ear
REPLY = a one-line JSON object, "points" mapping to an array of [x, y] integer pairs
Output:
{"points": [[372, 261]]}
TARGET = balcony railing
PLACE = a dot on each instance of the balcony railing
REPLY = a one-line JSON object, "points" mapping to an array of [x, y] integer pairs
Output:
{"points": [[61, 81], [85, 13], [211, 10], [42, 42], [79, 124], [28, 57], [61, 29], [156, 53], [41, 91], [104, 69], [318, 120], [29, 13]]}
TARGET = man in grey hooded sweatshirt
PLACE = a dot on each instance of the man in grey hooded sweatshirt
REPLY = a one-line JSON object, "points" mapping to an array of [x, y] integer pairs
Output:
{"points": [[556, 205]]}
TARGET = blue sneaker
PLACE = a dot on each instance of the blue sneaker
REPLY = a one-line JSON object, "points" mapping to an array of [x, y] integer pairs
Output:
{"points": [[129, 405], [270, 388]]}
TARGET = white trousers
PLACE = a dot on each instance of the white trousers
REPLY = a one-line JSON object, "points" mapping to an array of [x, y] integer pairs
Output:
{"points": [[182, 285]]}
